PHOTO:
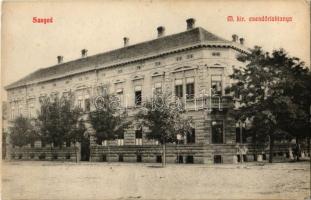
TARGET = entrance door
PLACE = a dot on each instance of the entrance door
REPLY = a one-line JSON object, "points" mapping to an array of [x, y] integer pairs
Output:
{"points": [[85, 149]]}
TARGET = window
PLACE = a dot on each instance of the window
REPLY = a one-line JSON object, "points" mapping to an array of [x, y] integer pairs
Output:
{"points": [[65, 95], [159, 159], [80, 101], [67, 82], [189, 159], [190, 88], [178, 88], [42, 98], [12, 112], [102, 90], [191, 136], [158, 87], [54, 84], [54, 96], [139, 158], [87, 105], [80, 79], [120, 158], [42, 87], [180, 159], [138, 96], [120, 96], [179, 58], [104, 158], [240, 131], [138, 67], [121, 140], [139, 136], [119, 71], [54, 156], [86, 78], [20, 110], [43, 143], [217, 159], [216, 85], [216, 54], [42, 156], [217, 132], [189, 56], [31, 111]]}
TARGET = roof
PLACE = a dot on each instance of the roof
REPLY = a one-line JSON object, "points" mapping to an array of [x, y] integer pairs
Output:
{"points": [[152, 47]]}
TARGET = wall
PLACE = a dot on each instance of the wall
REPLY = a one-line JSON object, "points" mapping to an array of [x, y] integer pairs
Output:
{"points": [[44, 153]]}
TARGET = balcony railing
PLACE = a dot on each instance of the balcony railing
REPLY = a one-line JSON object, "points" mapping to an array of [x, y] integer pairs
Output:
{"points": [[199, 103], [209, 103]]}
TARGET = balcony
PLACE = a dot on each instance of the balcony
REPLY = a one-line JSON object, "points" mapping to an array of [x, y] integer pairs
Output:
{"points": [[209, 103]]}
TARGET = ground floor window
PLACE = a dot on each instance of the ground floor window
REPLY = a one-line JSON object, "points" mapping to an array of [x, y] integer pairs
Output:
{"points": [[104, 158], [217, 132], [189, 159], [191, 136], [244, 158], [54, 156], [180, 159], [240, 133], [159, 159], [120, 158], [42, 156], [139, 136], [217, 159], [239, 158], [138, 158]]}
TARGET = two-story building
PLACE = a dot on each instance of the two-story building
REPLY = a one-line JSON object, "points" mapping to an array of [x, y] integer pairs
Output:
{"points": [[194, 65]]}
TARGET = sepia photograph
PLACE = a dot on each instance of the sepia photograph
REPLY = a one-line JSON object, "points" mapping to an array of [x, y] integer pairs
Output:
{"points": [[155, 99]]}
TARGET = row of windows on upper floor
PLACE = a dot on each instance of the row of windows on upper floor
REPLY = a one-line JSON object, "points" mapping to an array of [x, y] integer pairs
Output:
{"points": [[139, 67], [184, 88]]}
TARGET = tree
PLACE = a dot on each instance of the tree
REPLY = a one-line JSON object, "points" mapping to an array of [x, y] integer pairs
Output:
{"points": [[22, 132], [108, 120], [164, 118], [76, 134], [271, 90], [58, 120]]}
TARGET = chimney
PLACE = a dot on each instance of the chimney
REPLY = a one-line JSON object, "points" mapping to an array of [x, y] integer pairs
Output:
{"points": [[84, 53], [59, 59], [242, 41], [126, 41], [235, 37], [190, 23], [161, 31]]}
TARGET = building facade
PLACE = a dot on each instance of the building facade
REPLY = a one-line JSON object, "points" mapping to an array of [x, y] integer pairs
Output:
{"points": [[194, 65]]}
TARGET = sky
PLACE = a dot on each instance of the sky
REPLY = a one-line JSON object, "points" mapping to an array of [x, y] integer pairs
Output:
{"points": [[100, 26]]}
